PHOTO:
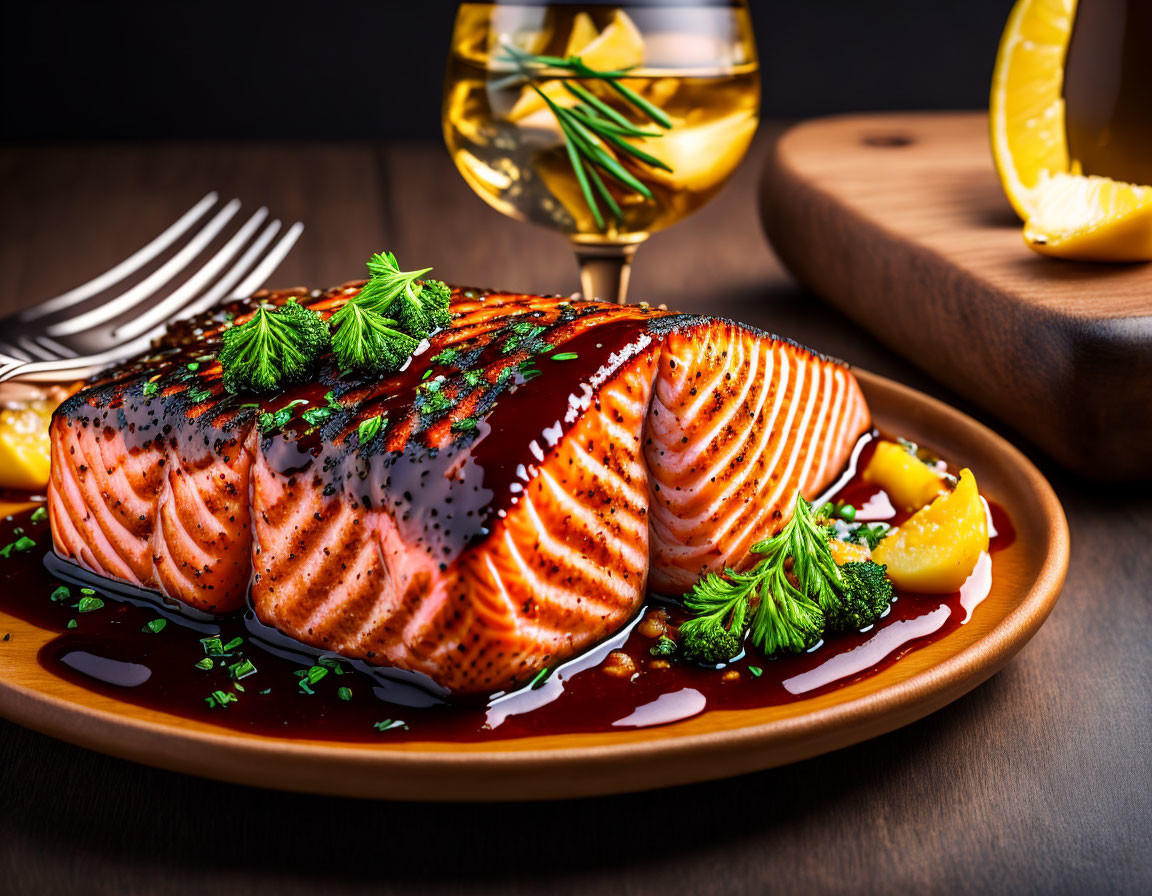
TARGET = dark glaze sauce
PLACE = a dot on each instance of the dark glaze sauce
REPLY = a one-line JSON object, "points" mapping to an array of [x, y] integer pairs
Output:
{"points": [[110, 650], [447, 482]]}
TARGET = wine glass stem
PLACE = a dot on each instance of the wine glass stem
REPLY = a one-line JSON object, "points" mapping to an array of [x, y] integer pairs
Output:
{"points": [[605, 270]]}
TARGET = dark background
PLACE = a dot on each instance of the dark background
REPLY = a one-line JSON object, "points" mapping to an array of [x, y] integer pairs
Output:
{"points": [[373, 69]]}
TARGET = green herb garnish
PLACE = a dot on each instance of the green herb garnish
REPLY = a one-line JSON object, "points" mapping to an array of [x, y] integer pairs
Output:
{"points": [[88, 604], [389, 725], [196, 396], [212, 645], [274, 347], [664, 647], [780, 616], [39, 515], [270, 421], [539, 678], [379, 327], [151, 387], [242, 669], [344, 693], [155, 626], [594, 133], [60, 595], [566, 356], [205, 663], [21, 545], [220, 698], [756, 671], [369, 429]]}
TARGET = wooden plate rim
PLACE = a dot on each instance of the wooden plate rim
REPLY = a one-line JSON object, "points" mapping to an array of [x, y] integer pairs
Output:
{"points": [[797, 737]]}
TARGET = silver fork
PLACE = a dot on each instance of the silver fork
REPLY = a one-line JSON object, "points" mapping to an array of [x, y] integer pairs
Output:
{"points": [[77, 332]]}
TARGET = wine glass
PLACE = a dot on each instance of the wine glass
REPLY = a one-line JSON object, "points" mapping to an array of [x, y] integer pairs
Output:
{"points": [[604, 121]]}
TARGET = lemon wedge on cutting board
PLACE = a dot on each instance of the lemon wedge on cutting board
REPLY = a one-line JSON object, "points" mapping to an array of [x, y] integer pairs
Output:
{"points": [[1091, 219], [1026, 113], [1067, 214], [619, 45]]}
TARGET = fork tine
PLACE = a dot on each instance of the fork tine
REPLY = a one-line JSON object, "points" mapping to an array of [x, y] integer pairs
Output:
{"points": [[10, 350], [271, 261], [35, 351], [224, 286], [9, 367], [172, 304], [61, 351], [128, 266], [149, 285]]}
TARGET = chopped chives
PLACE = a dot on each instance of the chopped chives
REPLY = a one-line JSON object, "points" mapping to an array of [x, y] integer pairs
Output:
{"points": [[155, 626], [566, 356], [540, 678], [39, 515], [390, 724], [344, 693], [205, 663], [71, 623], [242, 669], [212, 646], [233, 644], [756, 671]]}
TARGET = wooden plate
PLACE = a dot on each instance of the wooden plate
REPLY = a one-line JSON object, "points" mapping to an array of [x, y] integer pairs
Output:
{"points": [[1028, 576]]}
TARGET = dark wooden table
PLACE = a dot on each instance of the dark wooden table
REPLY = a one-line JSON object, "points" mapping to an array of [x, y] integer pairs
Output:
{"points": [[1039, 781]]}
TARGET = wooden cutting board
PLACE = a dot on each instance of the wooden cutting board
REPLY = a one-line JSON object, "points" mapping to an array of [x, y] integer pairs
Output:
{"points": [[900, 221]]}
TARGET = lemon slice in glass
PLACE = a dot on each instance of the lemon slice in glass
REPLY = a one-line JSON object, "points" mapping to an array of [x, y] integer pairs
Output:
{"points": [[619, 45]]}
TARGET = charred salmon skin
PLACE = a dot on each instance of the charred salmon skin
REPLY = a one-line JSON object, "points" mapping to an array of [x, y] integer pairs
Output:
{"points": [[501, 503]]}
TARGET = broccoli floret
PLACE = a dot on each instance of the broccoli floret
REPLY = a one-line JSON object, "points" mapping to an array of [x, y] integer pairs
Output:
{"points": [[273, 347], [419, 306], [423, 307], [368, 342], [706, 640], [861, 598]]}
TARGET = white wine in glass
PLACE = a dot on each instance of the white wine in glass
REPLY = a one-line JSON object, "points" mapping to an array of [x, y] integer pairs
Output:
{"points": [[604, 121]]}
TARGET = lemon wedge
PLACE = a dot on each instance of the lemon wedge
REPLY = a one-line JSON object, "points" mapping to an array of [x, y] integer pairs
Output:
{"points": [[619, 45], [1027, 106], [1090, 218], [935, 550], [24, 446]]}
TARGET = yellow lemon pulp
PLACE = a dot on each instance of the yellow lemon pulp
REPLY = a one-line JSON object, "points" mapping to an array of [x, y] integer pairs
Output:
{"points": [[909, 482], [24, 446], [1027, 105], [620, 45], [935, 550], [1091, 219]]}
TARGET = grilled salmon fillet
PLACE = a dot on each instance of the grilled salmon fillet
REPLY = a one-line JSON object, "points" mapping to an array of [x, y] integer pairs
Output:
{"points": [[502, 503]]}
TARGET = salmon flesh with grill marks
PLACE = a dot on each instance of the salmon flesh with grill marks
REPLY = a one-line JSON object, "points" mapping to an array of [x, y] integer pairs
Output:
{"points": [[502, 503]]}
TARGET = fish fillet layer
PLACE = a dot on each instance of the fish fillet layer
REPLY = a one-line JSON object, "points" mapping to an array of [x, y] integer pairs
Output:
{"points": [[501, 504]]}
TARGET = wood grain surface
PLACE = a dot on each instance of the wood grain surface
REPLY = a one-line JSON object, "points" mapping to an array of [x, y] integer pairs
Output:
{"points": [[900, 220], [1038, 781]]}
